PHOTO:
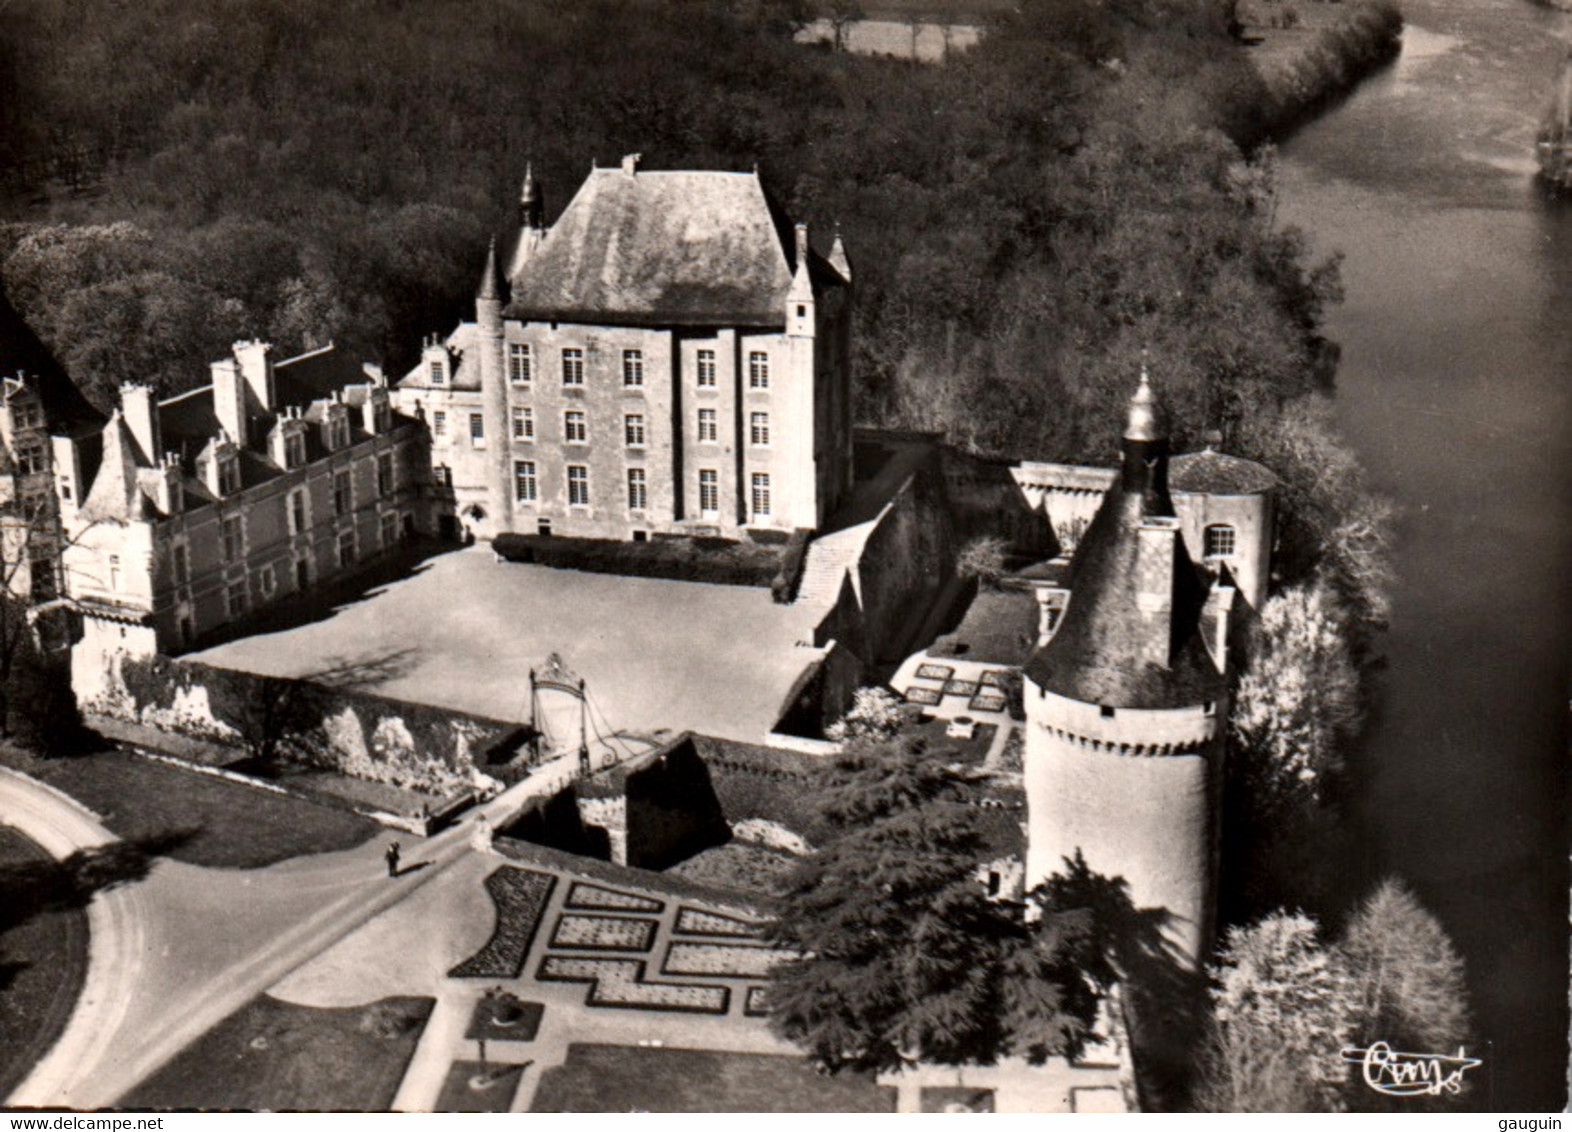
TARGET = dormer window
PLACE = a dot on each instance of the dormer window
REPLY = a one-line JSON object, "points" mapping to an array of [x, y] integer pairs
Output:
{"points": [[439, 374], [1220, 541], [228, 475], [338, 431], [294, 450]]}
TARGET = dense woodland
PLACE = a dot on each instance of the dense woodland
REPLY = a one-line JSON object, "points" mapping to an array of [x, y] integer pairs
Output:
{"points": [[1023, 221]]}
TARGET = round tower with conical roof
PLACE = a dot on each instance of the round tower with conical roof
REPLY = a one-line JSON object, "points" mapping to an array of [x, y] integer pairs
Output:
{"points": [[1125, 704]]}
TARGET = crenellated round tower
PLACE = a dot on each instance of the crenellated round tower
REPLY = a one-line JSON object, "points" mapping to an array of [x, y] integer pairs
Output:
{"points": [[1125, 704]]}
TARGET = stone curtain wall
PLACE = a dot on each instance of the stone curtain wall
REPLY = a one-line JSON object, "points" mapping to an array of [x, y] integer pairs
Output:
{"points": [[272, 718]]}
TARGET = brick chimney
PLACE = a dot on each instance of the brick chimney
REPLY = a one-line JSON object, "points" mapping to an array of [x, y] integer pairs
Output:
{"points": [[140, 413], [229, 399], [257, 368]]}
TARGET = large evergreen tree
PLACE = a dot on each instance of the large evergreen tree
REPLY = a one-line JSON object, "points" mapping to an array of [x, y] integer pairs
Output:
{"points": [[902, 954]]}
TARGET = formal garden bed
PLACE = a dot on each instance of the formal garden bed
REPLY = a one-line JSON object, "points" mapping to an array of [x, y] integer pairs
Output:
{"points": [[43, 958], [474, 1086], [620, 983], [583, 895], [603, 933], [616, 1078], [275, 1055], [520, 897], [757, 1004], [729, 960], [696, 921]]}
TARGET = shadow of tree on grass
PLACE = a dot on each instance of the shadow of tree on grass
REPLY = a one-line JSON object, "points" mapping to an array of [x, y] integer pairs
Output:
{"points": [[32, 888]]}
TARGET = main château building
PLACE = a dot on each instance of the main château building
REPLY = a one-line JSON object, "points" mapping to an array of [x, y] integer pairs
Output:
{"points": [[669, 357]]}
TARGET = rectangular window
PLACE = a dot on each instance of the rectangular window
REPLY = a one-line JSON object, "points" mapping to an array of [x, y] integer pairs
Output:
{"points": [[632, 368], [525, 489], [180, 564], [523, 423], [388, 528], [236, 597], [338, 429], [1219, 541], [114, 572], [709, 429], [294, 449], [477, 430], [578, 485], [761, 494], [572, 367], [633, 429], [444, 475], [438, 374], [41, 575], [439, 424], [266, 582], [758, 370], [29, 459], [709, 491], [759, 429], [385, 474], [637, 496], [519, 363], [575, 429], [233, 528], [297, 511], [346, 549], [707, 369], [229, 475], [343, 495]]}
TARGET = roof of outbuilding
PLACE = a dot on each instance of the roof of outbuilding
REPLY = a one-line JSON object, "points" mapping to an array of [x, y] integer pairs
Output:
{"points": [[662, 248], [1218, 473]]}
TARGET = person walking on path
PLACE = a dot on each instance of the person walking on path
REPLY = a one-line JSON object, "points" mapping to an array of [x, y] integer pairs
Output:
{"points": [[392, 858]]}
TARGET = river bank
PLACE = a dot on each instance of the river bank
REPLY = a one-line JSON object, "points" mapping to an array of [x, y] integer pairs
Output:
{"points": [[1308, 53], [1452, 389]]}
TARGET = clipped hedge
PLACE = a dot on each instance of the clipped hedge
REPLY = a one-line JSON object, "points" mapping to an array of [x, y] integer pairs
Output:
{"points": [[772, 560]]}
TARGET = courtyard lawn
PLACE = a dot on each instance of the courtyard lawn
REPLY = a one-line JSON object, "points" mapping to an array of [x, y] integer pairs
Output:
{"points": [[43, 959], [210, 821], [465, 631], [275, 1055], [608, 1078]]}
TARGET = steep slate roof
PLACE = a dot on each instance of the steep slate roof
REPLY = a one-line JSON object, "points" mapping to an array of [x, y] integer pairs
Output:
{"points": [[315, 376], [1218, 473], [661, 248], [66, 411], [1097, 656], [116, 495]]}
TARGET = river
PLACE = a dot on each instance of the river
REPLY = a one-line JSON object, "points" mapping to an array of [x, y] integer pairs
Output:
{"points": [[1454, 387]]}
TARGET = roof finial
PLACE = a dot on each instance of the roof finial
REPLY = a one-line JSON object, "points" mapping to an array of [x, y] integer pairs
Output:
{"points": [[532, 209], [1144, 422], [528, 192]]}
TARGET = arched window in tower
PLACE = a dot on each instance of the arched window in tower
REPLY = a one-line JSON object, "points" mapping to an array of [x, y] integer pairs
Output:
{"points": [[1219, 541]]}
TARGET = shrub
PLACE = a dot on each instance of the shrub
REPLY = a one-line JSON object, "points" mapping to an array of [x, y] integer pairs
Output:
{"points": [[982, 558], [720, 562]]}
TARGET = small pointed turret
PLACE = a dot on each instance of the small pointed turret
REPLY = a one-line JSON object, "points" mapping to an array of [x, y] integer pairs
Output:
{"points": [[838, 259], [491, 281], [532, 207]]}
